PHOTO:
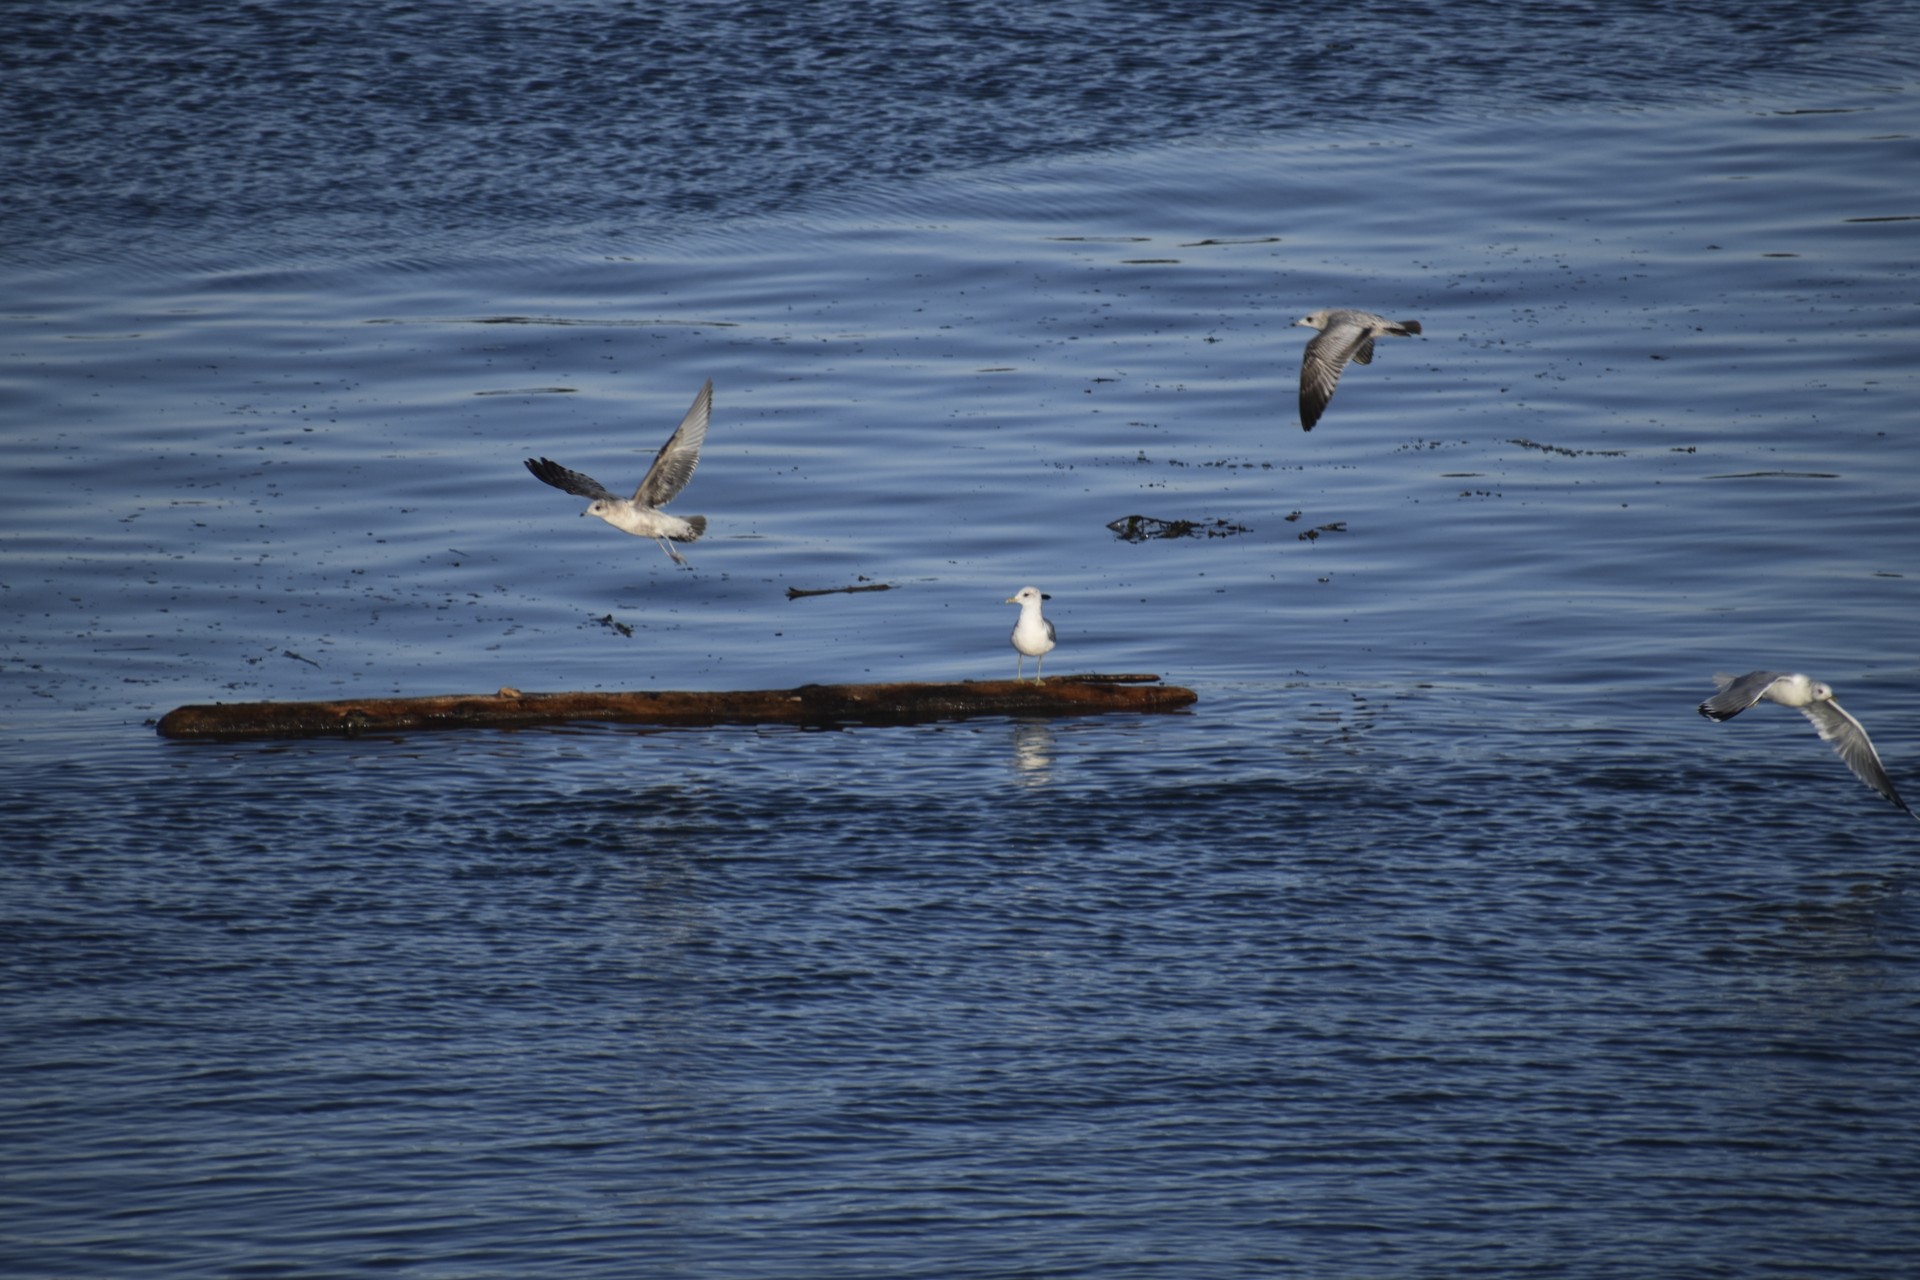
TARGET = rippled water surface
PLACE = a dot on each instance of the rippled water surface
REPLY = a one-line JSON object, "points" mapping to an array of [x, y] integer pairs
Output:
{"points": [[1439, 937]]}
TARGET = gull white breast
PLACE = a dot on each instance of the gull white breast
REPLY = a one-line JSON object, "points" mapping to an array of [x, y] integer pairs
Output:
{"points": [[1032, 634]]}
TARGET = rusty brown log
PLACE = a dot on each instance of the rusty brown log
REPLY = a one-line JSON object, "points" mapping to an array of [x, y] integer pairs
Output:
{"points": [[812, 704]]}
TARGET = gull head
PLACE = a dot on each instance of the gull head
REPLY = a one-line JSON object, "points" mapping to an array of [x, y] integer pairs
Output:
{"points": [[1027, 595], [1314, 320], [598, 507]]}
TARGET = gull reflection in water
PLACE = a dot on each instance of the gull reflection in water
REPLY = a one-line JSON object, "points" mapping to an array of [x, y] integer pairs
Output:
{"points": [[1033, 752]]}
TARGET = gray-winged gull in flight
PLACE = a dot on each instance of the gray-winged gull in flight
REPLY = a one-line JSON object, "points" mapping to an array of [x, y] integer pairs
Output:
{"points": [[641, 515], [1815, 701], [1032, 634], [1344, 335]]}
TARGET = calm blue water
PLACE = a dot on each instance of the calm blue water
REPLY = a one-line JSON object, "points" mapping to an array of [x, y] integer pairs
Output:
{"points": [[1441, 937]]}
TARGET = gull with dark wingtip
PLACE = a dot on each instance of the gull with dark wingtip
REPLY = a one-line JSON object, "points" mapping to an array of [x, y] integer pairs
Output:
{"points": [[1814, 700], [1344, 335], [641, 515], [1032, 634]]}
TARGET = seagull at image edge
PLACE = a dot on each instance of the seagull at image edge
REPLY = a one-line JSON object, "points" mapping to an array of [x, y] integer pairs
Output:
{"points": [[1814, 700]]}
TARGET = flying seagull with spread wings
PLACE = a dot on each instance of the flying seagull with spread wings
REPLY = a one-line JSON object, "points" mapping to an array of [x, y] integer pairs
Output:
{"points": [[1815, 701], [641, 515], [1344, 335]]}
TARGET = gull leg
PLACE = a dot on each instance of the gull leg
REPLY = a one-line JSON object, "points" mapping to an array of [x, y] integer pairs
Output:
{"points": [[672, 555], [1037, 664]]}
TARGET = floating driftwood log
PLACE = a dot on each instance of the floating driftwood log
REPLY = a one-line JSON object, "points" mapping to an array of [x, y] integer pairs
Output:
{"points": [[811, 704], [801, 593]]}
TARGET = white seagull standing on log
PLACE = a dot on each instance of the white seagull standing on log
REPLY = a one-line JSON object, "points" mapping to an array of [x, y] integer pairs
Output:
{"points": [[1032, 634]]}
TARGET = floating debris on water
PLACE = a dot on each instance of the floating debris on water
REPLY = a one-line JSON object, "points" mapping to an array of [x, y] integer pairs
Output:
{"points": [[796, 593], [1141, 528], [1525, 443], [1789, 475]]}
